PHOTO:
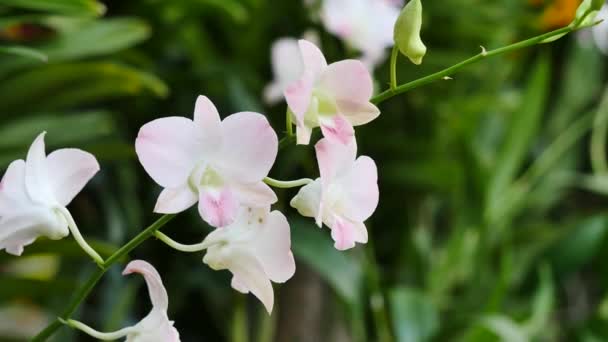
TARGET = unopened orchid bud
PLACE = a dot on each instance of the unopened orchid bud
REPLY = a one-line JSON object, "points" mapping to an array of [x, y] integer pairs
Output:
{"points": [[407, 32]]}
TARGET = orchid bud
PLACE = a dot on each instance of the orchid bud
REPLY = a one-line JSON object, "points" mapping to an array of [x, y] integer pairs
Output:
{"points": [[407, 32], [586, 12]]}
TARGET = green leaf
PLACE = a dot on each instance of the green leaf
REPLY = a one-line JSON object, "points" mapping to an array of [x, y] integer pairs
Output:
{"points": [[523, 129], [87, 39], [314, 247], [57, 87], [69, 7], [25, 52], [414, 316], [580, 246], [543, 303], [233, 8]]}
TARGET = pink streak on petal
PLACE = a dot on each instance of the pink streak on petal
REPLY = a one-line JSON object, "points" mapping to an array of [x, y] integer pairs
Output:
{"points": [[334, 159], [298, 96], [338, 130], [343, 233], [219, 209]]}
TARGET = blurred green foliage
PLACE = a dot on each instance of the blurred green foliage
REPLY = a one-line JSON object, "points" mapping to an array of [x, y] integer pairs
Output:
{"points": [[492, 222]]}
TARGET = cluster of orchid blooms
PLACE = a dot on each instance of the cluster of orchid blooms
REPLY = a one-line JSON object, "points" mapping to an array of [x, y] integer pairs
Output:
{"points": [[222, 166]]}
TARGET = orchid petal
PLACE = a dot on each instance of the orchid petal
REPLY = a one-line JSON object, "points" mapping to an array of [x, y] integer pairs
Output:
{"points": [[250, 147], [257, 194], [344, 234], [167, 149], [361, 187], [337, 129], [308, 198], [156, 289], [175, 200], [334, 159], [69, 171], [219, 208], [303, 134], [347, 80], [207, 121], [12, 188], [299, 96], [17, 231], [249, 275], [36, 177], [312, 58], [358, 113], [273, 248]]}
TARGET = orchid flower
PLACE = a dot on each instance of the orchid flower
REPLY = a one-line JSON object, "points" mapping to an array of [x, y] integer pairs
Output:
{"points": [[256, 249], [34, 194], [154, 327], [344, 196], [334, 97], [366, 25], [220, 164]]}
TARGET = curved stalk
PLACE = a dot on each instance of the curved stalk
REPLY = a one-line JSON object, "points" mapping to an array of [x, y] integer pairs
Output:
{"points": [[178, 246], [97, 334], [387, 94], [394, 55], [78, 237], [287, 184]]}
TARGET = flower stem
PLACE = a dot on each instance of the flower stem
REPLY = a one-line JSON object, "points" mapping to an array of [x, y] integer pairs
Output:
{"points": [[289, 123], [394, 55], [97, 334], [78, 237], [178, 246], [387, 94], [287, 184], [85, 289]]}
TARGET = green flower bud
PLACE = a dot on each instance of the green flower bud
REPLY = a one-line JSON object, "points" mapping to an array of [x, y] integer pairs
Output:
{"points": [[586, 12], [407, 32]]}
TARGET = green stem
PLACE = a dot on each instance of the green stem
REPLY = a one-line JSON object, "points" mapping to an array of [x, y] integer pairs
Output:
{"points": [[394, 55], [84, 291], [387, 94], [287, 184], [598, 138], [289, 123]]}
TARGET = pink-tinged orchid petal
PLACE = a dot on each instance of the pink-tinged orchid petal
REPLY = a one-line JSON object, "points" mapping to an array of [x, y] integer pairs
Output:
{"points": [[343, 233], [334, 158], [312, 58], [156, 289], [167, 149], [37, 180], [257, 194], [207, 120], [361, 186], [358, 113], [175, 200], [249, 275], [308, 199], [21, 229], [218, 207], [250, 147], [347, 80], [273, 248], [337, 129], [69, 171], [299, 96], [360, 232]]}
